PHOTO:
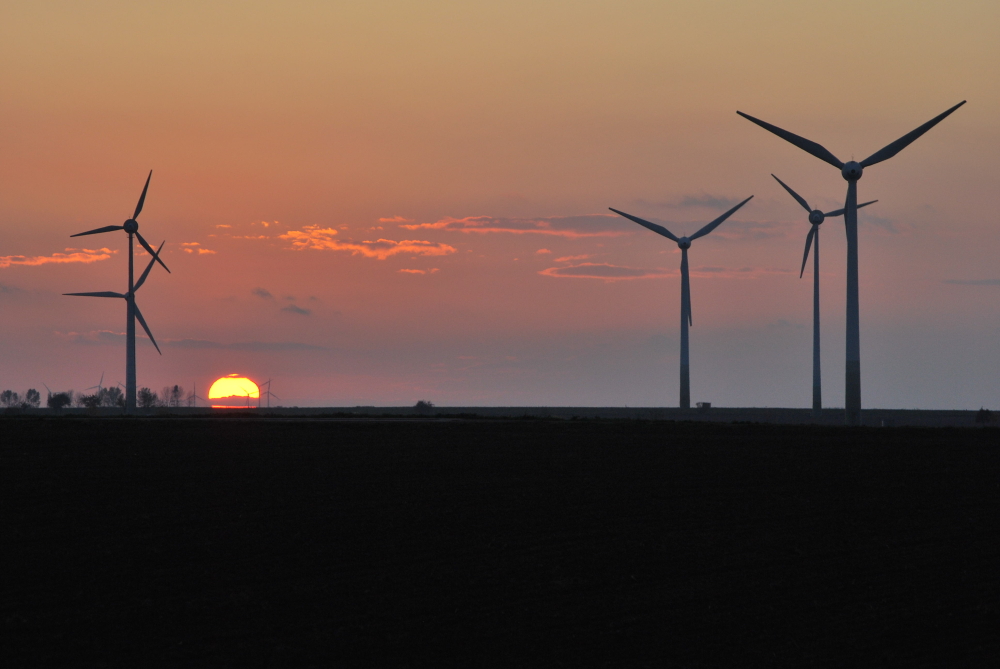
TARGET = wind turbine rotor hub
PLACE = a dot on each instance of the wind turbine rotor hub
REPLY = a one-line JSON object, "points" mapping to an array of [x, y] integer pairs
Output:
{"points": [[131, 226], [684, 243], [816, 217], [852, 171]]}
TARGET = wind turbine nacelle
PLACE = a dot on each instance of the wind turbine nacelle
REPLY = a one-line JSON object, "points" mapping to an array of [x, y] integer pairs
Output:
{"points": [[852, 171], [683, 243], [816, 217], [131, 226]]}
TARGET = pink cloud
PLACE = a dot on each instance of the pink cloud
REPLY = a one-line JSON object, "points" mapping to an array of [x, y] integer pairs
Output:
{"points": [[606, 272], [74, 255], [395, 219], [322, 239], [596, 225]]}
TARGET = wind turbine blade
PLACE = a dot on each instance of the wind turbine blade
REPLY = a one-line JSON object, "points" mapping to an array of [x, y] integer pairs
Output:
{"points": [[106, 228], [687, 300], [892, 149], [798, 198], [658, 229], [142, 278], [106, 293], [806, 145], [142, 322], [717, 222], [142, 198], [149, 249], [273, 395], [809, 241], [840, 212]]}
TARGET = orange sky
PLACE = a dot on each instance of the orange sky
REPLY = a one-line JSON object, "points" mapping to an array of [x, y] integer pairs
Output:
{"points": [[383, 202]]}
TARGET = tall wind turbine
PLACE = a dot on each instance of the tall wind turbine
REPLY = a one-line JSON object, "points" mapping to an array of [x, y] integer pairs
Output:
{"points": [[132, 228], [852, 171], [684, 243], [816, 218]]}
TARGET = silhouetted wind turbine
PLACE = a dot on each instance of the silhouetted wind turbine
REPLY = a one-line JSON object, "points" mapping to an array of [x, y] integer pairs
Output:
{"points": [[132, 228], [99, 386], [268, 393], [684, 243], [816, 218], [852, 171]]}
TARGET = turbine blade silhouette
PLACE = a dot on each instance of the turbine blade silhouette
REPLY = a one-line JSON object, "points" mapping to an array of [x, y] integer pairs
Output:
{"points": [[809, 242], [106, 228], [717, 222], [806, 145], [687, 299], [105, 293], [142, 322], [149, 249], [658, 229], [840, 212], [142, 198], [890, 150], [142, 279], [798, 198]]}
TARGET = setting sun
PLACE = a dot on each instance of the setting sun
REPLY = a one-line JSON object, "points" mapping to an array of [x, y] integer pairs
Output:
{"points": [[233, 385]]}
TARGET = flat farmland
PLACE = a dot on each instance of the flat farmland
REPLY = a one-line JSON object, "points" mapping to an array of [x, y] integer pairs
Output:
{"points": [[496, 543]]}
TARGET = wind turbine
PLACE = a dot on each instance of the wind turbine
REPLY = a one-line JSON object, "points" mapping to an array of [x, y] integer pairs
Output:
{"points": [[268, 393], [816, 218], [132, 228], [852, 171], [194, 397], [99, 386], [684, 243]]}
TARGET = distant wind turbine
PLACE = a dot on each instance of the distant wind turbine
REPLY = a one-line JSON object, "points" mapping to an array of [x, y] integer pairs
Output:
{"points": [[852, 171], [816, 218], [684, 243], [132, 228], [266, 392], [99, 386]]}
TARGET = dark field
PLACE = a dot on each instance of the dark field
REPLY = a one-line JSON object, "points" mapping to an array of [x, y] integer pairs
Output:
{"points": [[227, 542]]}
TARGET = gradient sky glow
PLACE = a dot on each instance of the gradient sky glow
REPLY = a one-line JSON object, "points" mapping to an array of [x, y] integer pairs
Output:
{"points": [[375, 203]]}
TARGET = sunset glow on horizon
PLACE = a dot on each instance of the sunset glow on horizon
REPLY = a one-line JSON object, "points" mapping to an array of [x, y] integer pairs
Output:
{"points": [[377, 203]]}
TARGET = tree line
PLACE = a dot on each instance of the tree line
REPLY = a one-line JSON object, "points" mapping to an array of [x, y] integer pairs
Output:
{"points": [[169, 396]]}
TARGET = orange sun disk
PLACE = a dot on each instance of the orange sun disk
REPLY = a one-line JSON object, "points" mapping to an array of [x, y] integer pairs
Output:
{"points": [[233, 385]]}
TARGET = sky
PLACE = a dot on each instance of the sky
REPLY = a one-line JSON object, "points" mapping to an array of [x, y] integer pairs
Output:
{"points": [[377, 203]]}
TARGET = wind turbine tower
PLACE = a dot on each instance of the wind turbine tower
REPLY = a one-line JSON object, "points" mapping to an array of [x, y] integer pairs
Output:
{"points": [[816, 218], [684, 243], [132, 228], [852, 172]]}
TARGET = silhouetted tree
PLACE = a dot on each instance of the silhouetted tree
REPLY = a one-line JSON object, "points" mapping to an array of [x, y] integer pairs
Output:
{"points": [[10, 399], [89, 401], [112, 397], [173, 396], [32, 399], [147, 399], [984, 416], [59, 401], [423, 406]]}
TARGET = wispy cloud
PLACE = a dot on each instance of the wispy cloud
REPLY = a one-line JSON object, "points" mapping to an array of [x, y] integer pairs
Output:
{"points": [[262, 293], [609, 272], [293, 309], [606, 272], [395, 219], [195, 247], [572, 258], [596, 225], [97, 337], [419, 271], [974, 282], [322, 239], [72, 255], [693, 200]]}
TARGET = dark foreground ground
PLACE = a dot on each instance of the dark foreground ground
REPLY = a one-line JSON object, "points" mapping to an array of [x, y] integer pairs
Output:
{"points": [[227, 542]]}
